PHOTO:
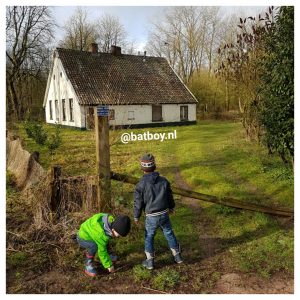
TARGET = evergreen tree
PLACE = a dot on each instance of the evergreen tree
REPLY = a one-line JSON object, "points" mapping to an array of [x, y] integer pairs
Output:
{"points": [[277, 88]]}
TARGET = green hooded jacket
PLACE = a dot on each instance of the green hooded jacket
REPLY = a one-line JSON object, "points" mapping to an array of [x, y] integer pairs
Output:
{"points": [[93, 230]]}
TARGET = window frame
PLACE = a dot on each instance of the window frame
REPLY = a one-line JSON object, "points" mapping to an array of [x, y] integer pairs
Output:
{"points": [[112, 114], [185, 109], [56, 103], [50, 110], [131, 111], [64, 115], [71, 109]]}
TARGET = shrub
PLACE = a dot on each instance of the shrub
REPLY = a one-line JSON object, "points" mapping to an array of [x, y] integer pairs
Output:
{"points": [[166, 280], [54, 141], [140, 273], [36, 132]]}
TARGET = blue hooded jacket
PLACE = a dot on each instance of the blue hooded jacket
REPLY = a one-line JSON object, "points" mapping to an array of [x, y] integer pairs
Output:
{"points": [[152, 194]]}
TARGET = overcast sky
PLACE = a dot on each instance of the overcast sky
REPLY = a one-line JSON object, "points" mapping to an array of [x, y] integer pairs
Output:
{"points": [[136, 19]]}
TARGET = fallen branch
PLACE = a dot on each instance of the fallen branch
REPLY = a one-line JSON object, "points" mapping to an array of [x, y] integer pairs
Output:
{"points": [[225, 201], [157, 291]]}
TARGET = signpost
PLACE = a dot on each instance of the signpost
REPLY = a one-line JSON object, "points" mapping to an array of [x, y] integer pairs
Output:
{"points": [[101, 114]]}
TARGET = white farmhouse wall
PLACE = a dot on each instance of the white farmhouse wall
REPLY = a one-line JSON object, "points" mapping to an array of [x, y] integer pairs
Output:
{"points": [[143, 114], [171, 112], [60, 88]]}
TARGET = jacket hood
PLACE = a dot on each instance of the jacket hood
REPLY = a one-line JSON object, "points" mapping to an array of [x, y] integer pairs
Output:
{"points": [[151, 177]]}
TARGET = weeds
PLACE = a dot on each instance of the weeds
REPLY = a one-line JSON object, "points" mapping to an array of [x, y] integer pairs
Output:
{"points": [[140, 273], [266, 255], [166, 280]]}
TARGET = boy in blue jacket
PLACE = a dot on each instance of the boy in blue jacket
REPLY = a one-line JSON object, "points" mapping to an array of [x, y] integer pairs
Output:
{"points": [[153, 194]]}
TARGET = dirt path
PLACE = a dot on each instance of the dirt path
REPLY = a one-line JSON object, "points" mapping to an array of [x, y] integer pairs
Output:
{"points": [[213, 260]]}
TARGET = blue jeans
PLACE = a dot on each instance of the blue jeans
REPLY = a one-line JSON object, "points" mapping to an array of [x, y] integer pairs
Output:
{"points": [[162, 222], [91, 246]]}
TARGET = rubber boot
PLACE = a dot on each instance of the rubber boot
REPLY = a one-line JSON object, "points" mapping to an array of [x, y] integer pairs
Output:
{"points": [[149, 262], [176, 255], [89, 268]]}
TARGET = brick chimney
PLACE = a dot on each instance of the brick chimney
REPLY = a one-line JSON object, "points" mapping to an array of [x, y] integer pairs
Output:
{"points": [[115, 50], [94, 48]]}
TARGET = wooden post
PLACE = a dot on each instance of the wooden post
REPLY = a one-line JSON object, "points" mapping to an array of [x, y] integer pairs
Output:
{"points": [[55, 189], [102, 162]]}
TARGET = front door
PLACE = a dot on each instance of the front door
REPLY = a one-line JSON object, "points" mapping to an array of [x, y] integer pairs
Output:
{"points": [[156, 113], [90, 121]]}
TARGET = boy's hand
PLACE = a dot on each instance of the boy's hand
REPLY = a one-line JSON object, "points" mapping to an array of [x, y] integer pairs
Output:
{"points": [[111, 269], [136, 222]]}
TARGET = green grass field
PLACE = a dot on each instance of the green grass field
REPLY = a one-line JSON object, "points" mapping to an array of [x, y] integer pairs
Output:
{"points": [[213, 158]]}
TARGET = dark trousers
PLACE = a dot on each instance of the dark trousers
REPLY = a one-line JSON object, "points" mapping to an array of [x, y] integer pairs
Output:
{"points": [[90, 246]]}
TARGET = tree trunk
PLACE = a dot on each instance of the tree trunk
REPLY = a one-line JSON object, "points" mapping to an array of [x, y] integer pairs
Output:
{"points": [[13, 99]]}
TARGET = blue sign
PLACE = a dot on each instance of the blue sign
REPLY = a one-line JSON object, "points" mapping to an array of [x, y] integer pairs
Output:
{"points": [[103, 110]]}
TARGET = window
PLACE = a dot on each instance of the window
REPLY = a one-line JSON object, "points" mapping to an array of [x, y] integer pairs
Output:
{"points": [[156, 113], [56, 110], [184, 113], [131, 115], [111, 114], [64, 109], [60, 74], [50, 110], [53, 77], [71, 110]]}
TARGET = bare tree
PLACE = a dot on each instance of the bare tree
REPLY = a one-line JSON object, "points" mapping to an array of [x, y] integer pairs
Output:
{"points": [[186, 36], [79, 31], [28, 32], [239, 63], [110, 32]]}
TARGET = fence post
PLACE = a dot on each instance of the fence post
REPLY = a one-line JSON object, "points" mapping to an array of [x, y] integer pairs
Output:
{"points": [[102, 162], [55, 188]]}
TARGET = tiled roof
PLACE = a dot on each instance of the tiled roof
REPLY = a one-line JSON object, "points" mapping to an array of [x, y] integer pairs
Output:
{"points": [[104, 78]]}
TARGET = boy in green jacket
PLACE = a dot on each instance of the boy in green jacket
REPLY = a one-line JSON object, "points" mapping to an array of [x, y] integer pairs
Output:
{"points": [[94, 235]]}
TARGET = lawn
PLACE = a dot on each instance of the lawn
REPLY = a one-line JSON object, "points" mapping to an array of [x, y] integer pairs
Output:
{"points": [[212, 158]]}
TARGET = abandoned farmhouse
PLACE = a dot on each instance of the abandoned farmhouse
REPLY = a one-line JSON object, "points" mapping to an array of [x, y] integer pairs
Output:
{"points": [[138, 90]]}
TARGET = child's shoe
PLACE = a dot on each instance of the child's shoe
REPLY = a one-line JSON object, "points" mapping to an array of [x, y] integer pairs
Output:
{"points": [[148, 263], [176, 255], [178, 259], [89, 268]]}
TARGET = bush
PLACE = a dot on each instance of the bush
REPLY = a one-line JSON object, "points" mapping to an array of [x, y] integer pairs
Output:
{"points": [[36, 132], [277, 114], [54, 141]]}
